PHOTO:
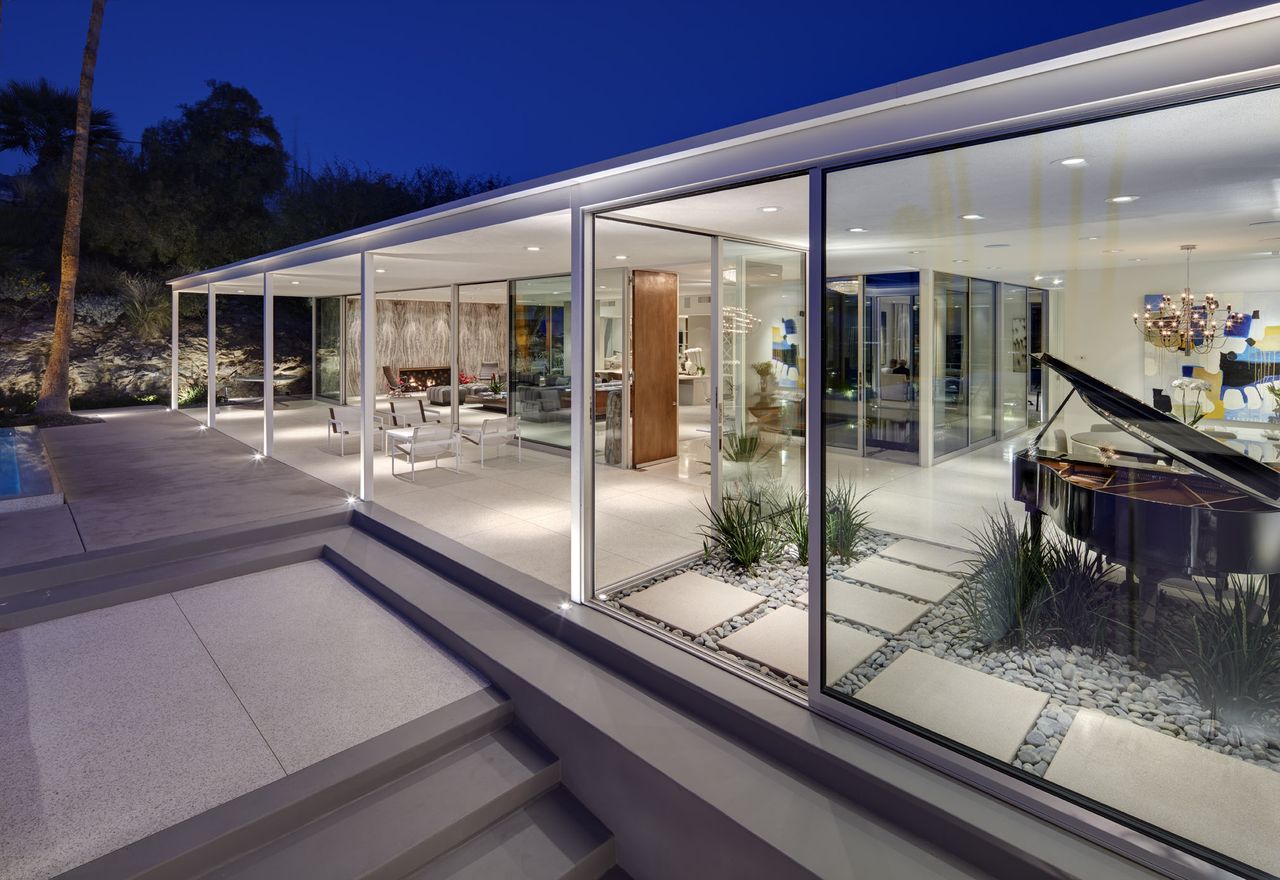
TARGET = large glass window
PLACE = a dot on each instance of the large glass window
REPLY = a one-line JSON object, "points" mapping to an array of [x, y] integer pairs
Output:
{"points": [[328, 345], [540, 358], [1099, 614]]}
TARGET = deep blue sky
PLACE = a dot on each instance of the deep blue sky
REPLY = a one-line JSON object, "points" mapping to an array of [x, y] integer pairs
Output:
{"points": [[517, 88]]}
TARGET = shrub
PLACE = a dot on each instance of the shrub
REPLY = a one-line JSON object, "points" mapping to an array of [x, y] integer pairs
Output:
{"points": [[791, 522], [1079, 594], [98, 310], [145, 306], [24, 292], [194, 394], [1230, 652], [1004, 593], [741, 530], [846, 520]]}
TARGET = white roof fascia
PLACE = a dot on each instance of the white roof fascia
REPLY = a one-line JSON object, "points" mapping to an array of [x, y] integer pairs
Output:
{"points": [[1203, 43]]}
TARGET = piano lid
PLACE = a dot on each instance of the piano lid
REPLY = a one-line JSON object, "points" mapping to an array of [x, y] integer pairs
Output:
{"points": [[1193, 448]]}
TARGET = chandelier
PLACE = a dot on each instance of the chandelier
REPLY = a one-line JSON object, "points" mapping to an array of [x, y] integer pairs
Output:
{"points": [[1182, 325]]}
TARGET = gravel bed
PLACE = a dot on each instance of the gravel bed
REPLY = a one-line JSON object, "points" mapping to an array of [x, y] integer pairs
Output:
{"points": [[1074, 678]]}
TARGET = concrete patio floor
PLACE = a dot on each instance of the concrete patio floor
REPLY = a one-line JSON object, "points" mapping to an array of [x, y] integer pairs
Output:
{"points": [[123, 721], [144, 474]]}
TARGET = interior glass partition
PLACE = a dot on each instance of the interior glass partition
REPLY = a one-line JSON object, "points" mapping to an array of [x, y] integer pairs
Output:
{"points": [[541, 316], [328, 347], [842, 362], [1051, 611], [891, 348]]}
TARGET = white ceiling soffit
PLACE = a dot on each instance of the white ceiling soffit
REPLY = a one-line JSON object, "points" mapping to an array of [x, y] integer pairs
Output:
{"points": [[1199, 46]]}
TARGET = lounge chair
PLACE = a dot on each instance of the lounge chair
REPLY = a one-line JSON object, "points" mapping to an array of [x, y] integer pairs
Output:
{"points": [[395, 388], [345, 420], [495, 432]]}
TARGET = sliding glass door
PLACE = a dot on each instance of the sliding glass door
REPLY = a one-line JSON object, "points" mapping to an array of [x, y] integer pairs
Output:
{"points": [[964, 394], [328, 348]]}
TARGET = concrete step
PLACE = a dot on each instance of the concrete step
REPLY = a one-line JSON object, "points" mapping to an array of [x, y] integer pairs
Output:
{"points": [[408, 822], [552, 838]]}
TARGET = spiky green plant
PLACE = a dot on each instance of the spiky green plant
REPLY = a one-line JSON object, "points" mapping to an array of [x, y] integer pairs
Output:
{"points": [[740, 530], [846, 520], [1230, 651], [1079, 594], [791, 520], [742, 447], [1003, 595]]}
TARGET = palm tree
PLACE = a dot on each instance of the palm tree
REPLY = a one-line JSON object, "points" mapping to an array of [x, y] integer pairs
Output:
{"points": [[54, 396], [39, 119]]}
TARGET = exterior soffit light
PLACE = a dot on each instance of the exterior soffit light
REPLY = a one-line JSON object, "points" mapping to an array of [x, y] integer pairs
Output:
{"points": [[770, 209], [1123, 200], [1072, 162], [972, 217]]}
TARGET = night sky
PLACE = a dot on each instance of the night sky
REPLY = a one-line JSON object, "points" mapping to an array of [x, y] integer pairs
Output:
{"points": [[519, 89]]}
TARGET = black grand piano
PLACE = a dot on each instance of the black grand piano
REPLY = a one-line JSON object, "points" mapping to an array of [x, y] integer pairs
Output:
{"points": [[1191, 505]]}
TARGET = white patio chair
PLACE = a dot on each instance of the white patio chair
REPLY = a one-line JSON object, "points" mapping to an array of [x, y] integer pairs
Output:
{"points": [[345, 420], [495, 432], [406, 417], [433, 440]]}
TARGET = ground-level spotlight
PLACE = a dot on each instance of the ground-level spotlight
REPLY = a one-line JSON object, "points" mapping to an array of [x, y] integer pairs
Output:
{"points": [[258, 456], [351, 499], [565, 606], [204, 427]]}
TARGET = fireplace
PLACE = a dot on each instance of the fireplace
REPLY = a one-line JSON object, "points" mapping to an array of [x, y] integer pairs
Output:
{"points": [[422, 378]]}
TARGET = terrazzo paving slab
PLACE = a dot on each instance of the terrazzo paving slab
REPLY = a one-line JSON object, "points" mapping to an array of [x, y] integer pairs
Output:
{"points": [[779, 640], [968, 706], [1216, 800], [872, 608], [929, 555], [846, 649], [887, 574], [692, 602], [114, 724], [318, 664]]}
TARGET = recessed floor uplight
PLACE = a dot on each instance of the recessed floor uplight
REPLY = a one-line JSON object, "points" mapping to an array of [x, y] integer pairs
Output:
{"points": [[770, 209], [619, 256], [855, 229], [972, 217], [257, 456], [565, 606], [1123, 200], [204, 427], [533, 248], [351, 499], [1072, 162]]}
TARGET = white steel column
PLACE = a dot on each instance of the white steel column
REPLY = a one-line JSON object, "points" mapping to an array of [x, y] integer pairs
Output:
{"points": [[814, 461], [173, 353], [368, 387], [268, 363], [715, 376], [582, 392], [211, 381], [455, 306]]}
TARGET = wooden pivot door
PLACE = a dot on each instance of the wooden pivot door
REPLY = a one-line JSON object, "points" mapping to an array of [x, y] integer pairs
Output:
{"points": [[655, 428]]}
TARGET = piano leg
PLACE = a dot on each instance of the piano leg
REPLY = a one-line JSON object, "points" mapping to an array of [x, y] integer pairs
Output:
{"points": [[1144, 602], [1037, 525]]}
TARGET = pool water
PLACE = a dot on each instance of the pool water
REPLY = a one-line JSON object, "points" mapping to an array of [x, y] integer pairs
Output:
{"points": [[10, 480]]}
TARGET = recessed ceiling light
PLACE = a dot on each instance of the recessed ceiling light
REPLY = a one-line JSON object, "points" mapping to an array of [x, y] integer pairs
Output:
{"points": [[972, 217], [533, 247], [1072, 162], [855, 229], [1135, 259], [1038, 278], [1091, 238], [770, 209], [604, 287], [1267, 254], [295, 282], [1114, 251], [959, 261], [241, 290], [995, 245], [1123, 200], [915, 252], [773, 274], [993, 267], [619, 256], [381, 271]]}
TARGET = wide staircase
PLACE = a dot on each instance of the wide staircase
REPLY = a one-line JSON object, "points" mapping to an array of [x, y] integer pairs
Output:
{"points": [[462, 792]]}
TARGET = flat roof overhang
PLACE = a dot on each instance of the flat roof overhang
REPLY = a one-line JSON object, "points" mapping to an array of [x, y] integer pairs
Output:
{"points": [[1201, 50]]}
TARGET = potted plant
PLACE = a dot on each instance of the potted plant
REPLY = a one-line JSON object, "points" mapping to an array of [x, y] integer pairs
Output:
{"points": [[764, 369]]}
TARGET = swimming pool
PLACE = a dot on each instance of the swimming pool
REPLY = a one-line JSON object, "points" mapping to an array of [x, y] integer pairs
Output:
{"points": [[10, 479], [26, 480]]}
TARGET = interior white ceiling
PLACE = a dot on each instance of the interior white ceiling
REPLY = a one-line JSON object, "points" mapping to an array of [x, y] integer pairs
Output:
{"points": [[1206, 173]]}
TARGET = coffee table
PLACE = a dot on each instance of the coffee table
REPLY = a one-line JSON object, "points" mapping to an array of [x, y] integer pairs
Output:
{"points": [[488, 400]]}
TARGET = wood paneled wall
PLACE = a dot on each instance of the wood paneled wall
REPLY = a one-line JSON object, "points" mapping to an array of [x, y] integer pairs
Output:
{"points": [[655, 429]]}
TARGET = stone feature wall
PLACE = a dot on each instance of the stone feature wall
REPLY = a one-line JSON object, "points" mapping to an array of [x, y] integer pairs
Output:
{"points": [[415, 333]]}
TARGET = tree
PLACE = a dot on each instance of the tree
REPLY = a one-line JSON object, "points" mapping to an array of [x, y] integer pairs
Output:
{"points": [[39, 119], [54, 396], [219, 169]]}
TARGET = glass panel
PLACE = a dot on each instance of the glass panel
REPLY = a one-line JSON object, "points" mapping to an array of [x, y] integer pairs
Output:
{"points": [[762, 358], [1090, 611], [483, 328], [329, 347], [892, 351], [1014, 364], [540, 358], [842, 362], [951, 360], [982, 360]]}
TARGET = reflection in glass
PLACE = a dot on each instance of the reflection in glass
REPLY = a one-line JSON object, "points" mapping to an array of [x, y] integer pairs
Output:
{"points": [[329, 347], [1014, 364], [540, 352]]}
